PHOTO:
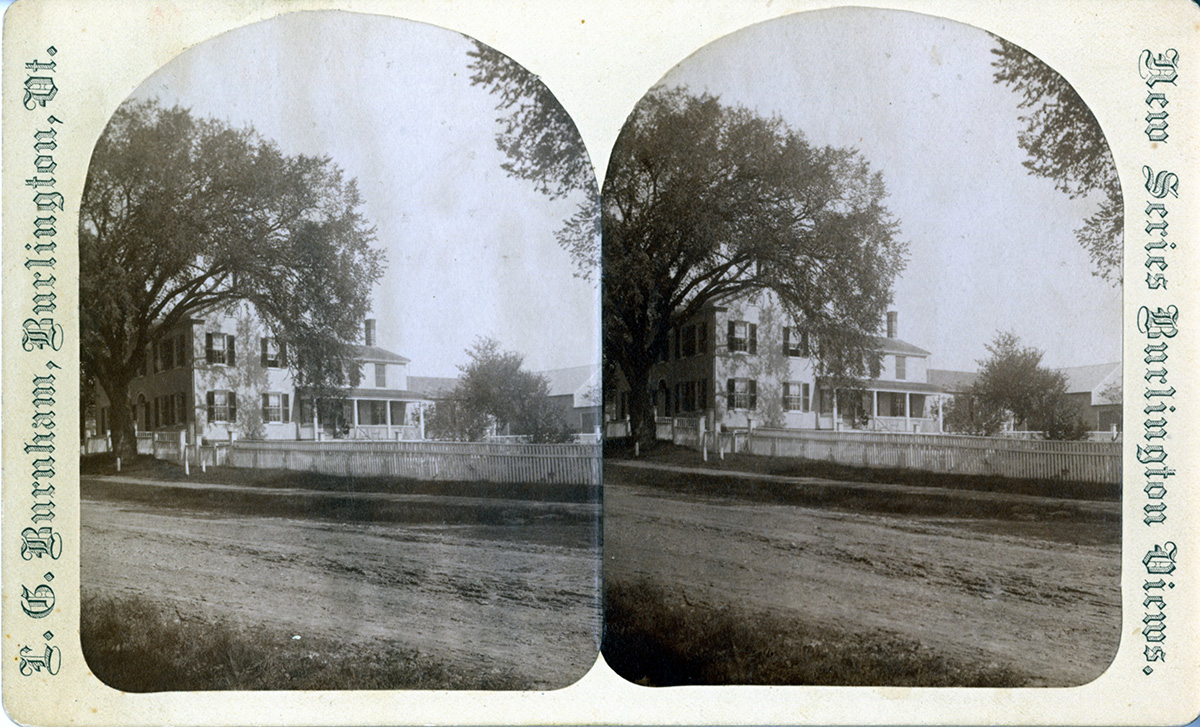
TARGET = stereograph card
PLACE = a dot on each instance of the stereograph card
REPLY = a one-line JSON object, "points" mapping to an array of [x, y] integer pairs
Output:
{"points": [[695, 362]]}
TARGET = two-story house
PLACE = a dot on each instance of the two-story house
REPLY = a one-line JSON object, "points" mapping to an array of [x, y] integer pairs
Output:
{"points": [[744, 363], [224, 376]]}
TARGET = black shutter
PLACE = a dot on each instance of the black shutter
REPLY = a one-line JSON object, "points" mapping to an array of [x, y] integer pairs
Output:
{"points": [[752, 385], [281, 352], [208, 349], [731, 335], [231, 398], [804, 344], [266, 407], [702, 342], [211, 401], [753, 338], [787, 344], [263, 358], [287, 410], [732, 391], [229, 355]]}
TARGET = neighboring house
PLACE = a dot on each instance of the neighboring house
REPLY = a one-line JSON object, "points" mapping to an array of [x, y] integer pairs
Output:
{"points": [[223, 376], [1095, 391], [576, 393], [746, 362]]}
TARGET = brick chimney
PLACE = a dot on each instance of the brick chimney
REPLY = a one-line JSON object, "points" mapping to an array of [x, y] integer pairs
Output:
{"points": [[369, 331], [891, 324]]}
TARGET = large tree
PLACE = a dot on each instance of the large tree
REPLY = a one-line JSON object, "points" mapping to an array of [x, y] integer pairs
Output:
{"points": [[703, 202], [1013, 385], [1065, 144], [182, 215], [494, 389], [543, 147]]}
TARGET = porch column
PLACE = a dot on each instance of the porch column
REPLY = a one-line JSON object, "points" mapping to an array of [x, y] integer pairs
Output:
{"points": [[421, 419], [316, 422], [387, 405], [354, 406], [874, 409], [836, 425]]}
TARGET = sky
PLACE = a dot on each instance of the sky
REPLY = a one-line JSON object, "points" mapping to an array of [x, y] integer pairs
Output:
{"points": [[991, 247], [470, 251]]}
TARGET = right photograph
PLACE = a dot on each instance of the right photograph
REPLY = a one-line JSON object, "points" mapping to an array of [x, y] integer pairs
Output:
{"points": [[862, 365]]}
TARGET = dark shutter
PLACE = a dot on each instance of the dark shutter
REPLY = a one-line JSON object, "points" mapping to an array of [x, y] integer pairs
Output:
{"points": [[753, 338], [281, 352], [266, 407], [702, 341], [732, 391], [752, 387], [287, 410], [787, 346], [229, 356], [263, 357], [732, 334], [703, 395], [157, 412], [211, 400], [208, 349], [804, 344]]}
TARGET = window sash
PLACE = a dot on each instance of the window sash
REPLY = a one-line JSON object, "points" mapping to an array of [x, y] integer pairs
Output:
{"points": [[901, 368], [742, 393], [222, 406], [380, 376], [275, 408]]}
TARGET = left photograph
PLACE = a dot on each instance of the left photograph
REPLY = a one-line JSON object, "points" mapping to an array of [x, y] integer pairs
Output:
{"points": [[340, 386]]}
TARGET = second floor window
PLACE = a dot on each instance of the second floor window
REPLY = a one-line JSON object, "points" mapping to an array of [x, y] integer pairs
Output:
{"points": [[901, 368], [743, 393], [795, 342], [218, 349], [273, 355], [380, 376], [743, 336], [873, 365]]}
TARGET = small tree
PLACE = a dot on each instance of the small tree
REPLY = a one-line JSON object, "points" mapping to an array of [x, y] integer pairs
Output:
{"points": [[494, 387], [1014, 385]]}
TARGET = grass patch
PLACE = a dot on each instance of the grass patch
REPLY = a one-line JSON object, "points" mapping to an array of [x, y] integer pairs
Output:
{"points": [[136, 645], [795, 467], [147, 467], [1057, 520], [656, 639]]}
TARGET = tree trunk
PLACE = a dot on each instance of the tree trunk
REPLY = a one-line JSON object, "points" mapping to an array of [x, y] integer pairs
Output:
{"points": [[124, 441], [641, 410]]}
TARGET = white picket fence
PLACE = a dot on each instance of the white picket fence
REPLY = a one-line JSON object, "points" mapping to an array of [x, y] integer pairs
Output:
{"points": [[1098, 462], [566, 464]]}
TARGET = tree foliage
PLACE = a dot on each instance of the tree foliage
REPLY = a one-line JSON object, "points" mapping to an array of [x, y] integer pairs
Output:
{"points": [[494, 389], [181, 216], [1065, 144], [704, 202], [543, 147], [1013, 385]]}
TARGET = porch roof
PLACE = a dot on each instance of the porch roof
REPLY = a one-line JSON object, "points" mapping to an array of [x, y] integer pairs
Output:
{"points": [[910, 387], [388, 394]]}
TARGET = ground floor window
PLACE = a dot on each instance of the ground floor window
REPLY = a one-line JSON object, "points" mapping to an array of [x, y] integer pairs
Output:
{"points": [[372, 413], [222, 406], [275, 408], [399, 412], [743, 393], [796, 396]]}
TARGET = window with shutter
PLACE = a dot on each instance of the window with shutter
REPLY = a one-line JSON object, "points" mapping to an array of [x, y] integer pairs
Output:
{"points": [[743, 336], [743, 393]]}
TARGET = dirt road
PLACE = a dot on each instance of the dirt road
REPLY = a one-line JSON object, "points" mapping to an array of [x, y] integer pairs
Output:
{"points": [[515, 596], [1047, 610]]}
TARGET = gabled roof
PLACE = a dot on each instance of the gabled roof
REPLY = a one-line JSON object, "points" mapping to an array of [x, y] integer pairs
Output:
{"points": [[1089, 378], [375, 354], [895, 345], [580, 382]]}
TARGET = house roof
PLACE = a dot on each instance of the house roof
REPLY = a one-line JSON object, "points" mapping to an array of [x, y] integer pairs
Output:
{"points": [[952, 381], [580, 382], [895, 345], [433, 386], [375, 354], [1089, 378]]}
